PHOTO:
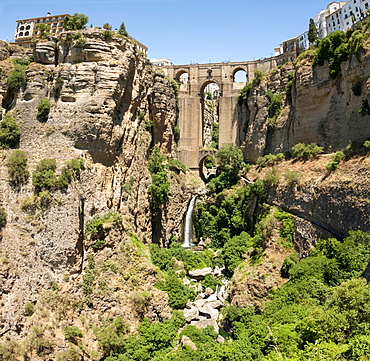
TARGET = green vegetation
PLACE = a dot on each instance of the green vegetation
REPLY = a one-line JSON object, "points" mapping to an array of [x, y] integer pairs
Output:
{"points": [[18, 77], [269, 160], [107, 35], [75, 22], [72, 334], [215, 135], [160, 186], [17, 168], [289, 86], [274, 108], [122, 29], [230, 162], [58, 85], [43, 110], [292, 177], [29, 309], [256, 81], [44, 177], [107, 26], [302, 151], [176, 134], [44, 29], [337, 47], [312, 32], [98, 228], [333, 165], [9, 132], [2, 218], [209, 162]]}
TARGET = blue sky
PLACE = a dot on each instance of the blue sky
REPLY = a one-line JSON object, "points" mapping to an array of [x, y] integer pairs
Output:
{"points": [[184, 31]]}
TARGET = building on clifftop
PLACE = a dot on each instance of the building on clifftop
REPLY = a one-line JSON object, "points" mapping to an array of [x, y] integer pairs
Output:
{"points": [[26, 28]]}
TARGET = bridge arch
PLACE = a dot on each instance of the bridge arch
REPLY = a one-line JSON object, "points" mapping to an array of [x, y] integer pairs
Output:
{"points": [[182, 76], [207, 82], [236, 74], [204, 172]]}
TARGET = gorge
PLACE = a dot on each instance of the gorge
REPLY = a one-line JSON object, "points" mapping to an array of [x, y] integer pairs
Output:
{"points": [[95, 198]]}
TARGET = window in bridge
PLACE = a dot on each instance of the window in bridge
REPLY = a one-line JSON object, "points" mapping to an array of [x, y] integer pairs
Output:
{"points": [[240, 76], [210, 111]]}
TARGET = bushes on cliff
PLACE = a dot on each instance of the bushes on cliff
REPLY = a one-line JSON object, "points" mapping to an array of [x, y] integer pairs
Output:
{"points": [[274, 108], [44, 177], [230, 162], [75, 22], [303, 151], [18, 77], [17, 168], [2, 218], [43, 110], [333, 165], [9, 132]]}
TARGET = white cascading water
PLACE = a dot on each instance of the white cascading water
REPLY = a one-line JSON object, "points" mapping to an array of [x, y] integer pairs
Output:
{"points": [[188, 241]]}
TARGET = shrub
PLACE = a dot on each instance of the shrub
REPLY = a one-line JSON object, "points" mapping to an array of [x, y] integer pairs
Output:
{"points": [[29, 309], [75, 22], [176, 165], [17, 78], [122, 29], [366, 145], [176, 134], [292, 177], [178, 294], [72, 333], [43, 178], [9, 132], [333, 165], [209, 162], [269, 160], [98, 227], [43, 109], [17, 168], [111, 334], [2, 218], [274, 108], [215, 135], [304, 152], [70, 171], [272, 176], [70, 355], [107, 35], [58, 85]]}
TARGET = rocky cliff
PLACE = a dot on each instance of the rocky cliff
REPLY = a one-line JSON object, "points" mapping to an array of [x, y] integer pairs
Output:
{"points": [[318, 110], [108, 107]]}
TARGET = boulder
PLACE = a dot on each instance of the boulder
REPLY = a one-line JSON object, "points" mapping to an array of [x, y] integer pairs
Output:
{"points": [[45, 52], [208, 311], [208, 291], [191, 313], [205, 323], [186, 341], [199, 274]]}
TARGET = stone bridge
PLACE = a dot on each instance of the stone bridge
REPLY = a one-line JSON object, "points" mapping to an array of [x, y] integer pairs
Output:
{"points": [[191, 103]]}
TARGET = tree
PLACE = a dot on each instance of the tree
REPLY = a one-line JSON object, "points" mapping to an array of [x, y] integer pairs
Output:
{"points": [[107, 26], [9, 132], [17, 168], [312, 32], [122, 29], [44, 29], [75, 22]]}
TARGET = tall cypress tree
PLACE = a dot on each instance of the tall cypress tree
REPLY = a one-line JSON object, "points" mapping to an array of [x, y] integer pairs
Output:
{"points": [[312, 32]]}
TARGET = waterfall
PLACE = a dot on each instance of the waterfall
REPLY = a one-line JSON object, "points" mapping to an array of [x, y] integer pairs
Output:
{"points": [[188, 241]]}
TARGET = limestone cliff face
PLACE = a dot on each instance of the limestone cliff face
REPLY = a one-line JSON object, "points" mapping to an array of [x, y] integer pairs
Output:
{"points": [[322, 109], [102, 93]]}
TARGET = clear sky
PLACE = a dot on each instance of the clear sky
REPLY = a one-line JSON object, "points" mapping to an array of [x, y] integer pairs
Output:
{"points": [[184, 31]]}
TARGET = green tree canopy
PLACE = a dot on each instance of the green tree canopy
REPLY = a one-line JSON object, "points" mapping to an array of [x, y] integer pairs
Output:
{"points": [[122, 29], [44, 29], [312, 32], [75, 22]]}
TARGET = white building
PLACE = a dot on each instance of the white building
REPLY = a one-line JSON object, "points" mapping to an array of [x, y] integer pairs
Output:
{"points": [[160, 62]]}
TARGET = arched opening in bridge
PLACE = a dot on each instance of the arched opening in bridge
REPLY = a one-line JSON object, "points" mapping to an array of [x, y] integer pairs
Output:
{"points": [[210, 94], [182, 77], [240, 76], [207, 167]]}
